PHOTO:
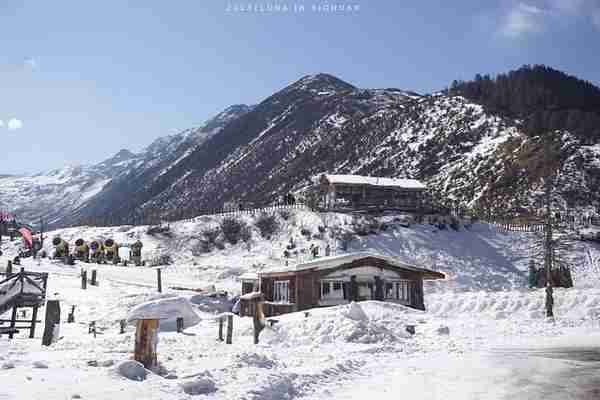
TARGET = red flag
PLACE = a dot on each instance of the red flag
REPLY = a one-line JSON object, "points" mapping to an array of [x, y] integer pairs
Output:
{"points": [[27, 238]]}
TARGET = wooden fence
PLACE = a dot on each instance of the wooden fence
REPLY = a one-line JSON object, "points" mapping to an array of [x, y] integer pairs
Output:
{"points": [[155, 219]]}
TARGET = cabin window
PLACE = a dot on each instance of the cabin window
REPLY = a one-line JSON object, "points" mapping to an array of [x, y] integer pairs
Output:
{"points": [[281, 291], [399, 290], [332, 290]]}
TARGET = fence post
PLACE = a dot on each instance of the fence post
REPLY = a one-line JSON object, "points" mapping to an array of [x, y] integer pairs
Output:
{"points": [[159, 279], [52, 319], [94, 282], [84, 279], [33, 322], [179, 324], [221, 321], [229, 328], [8, 268]]}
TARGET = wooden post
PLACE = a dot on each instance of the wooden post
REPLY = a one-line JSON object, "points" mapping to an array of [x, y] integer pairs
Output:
{"points": [[258, 318], [179, 324], [8, 268], [229, 328], [33, 322], [13, 321], [83, 279], [71, 316], [122, 325], [146, 340], [52, 319], [94, 282], [159, 279], [221, 321]]}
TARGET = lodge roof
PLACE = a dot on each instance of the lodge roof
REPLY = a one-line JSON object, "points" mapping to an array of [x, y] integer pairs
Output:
{"points": [[324, 263], [372, 181]]}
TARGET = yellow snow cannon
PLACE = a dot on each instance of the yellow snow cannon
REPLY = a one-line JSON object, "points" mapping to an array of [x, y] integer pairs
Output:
{"points": [[82, 250], [97, 251], [111, 251]]}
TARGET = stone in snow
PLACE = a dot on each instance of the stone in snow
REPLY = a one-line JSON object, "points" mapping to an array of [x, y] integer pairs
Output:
{"points": [[199, 386], [443, 330], [133, 370], [40, 364]]}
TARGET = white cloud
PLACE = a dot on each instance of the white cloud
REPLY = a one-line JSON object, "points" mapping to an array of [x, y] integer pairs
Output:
{"points": [[522, 19], [568, 6], [1, 123], [596, 17], [14, 124], [532, 17]]}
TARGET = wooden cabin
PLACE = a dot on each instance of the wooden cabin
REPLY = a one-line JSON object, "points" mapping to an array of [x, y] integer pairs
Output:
{"points": [[335, 280], [355, 191]]}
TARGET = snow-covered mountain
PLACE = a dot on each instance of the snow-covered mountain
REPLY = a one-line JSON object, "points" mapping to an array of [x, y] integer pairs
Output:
{"points": [[462, 150], [473, 154], [59, 195]]}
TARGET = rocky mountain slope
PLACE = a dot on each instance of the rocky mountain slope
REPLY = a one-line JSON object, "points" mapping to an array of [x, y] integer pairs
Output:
{"points": [[60, 195]]}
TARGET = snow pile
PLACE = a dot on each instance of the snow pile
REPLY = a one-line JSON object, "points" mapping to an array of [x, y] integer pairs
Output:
{"points": [[167, 310], [369, 323]]}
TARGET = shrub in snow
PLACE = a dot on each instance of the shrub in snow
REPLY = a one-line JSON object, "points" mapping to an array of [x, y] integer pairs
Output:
{"points": [[246, 234], [133, 370], [199, 386], [267, 224], [159, 229], [443, 330], [346, 239], [201, 247], [285, 214], [232, 229], [454, 223], [306, 232], [220, 245], [168, 310], [211, 234]]}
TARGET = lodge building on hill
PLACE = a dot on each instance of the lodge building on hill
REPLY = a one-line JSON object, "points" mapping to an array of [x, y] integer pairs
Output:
{"points": [[364, 192], [340, 279]]}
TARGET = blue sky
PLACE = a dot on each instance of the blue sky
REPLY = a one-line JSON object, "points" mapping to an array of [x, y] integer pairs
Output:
{"points": [[79, 80]]}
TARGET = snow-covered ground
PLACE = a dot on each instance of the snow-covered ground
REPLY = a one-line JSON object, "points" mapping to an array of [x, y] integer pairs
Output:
{"points": [[468, 344]]}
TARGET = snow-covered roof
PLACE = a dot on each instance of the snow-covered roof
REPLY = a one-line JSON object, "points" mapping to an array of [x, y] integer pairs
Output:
{"points": [[373, 181], [249, 276], [323, 263]]}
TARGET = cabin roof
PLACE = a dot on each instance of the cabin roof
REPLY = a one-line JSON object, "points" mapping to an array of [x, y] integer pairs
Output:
{"points": [[324, 263], [248, 276], [373, 181]]}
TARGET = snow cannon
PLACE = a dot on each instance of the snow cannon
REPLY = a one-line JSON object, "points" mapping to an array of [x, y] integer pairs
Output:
{"points": [[111, 251], [82, 250], [97, 251], [135, 253], [61, 248]]}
